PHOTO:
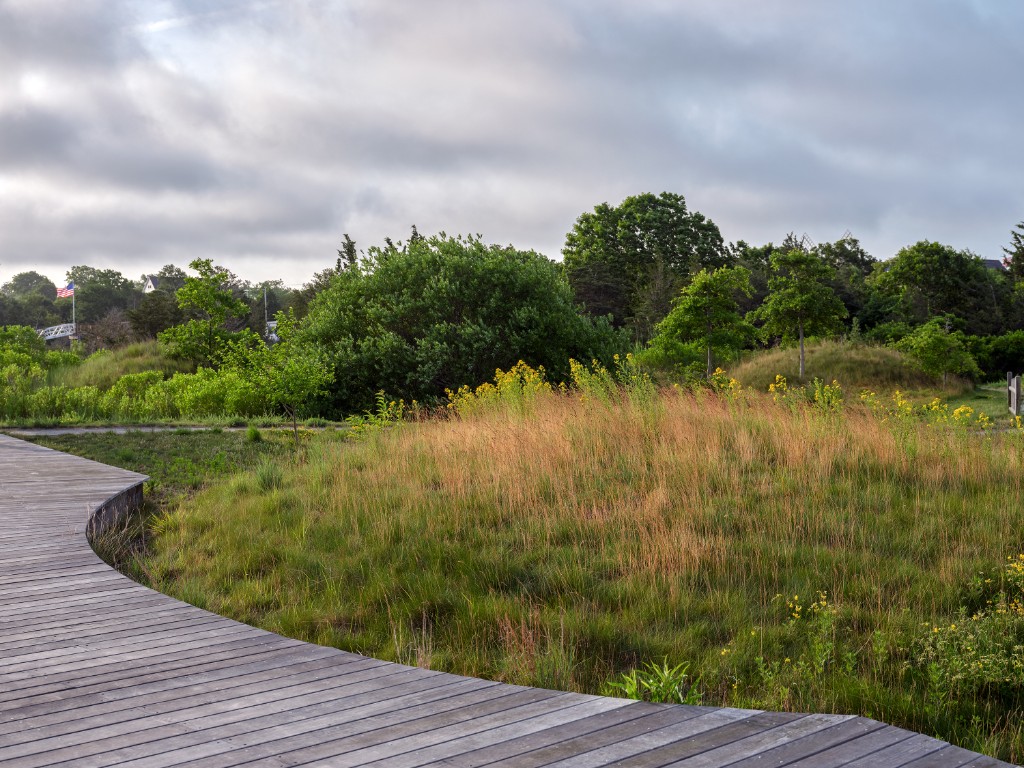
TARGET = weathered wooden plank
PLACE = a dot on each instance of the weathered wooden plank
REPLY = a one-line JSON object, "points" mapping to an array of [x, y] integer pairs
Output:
{"points": [[637, 740], [518, 745], [952, 757], [91, 626], [982, 761], [306, 740], [452, 741], [814, 745], [234, 684], [119, 680], [653, 718], [854, 749], [115, 744], [210, 668], [84, 663], [711, 752], [222, 741], [906, 751]]}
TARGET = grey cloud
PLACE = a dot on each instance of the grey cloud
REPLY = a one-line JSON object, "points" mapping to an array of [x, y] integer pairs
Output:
{"points": [[73, 38], [30, 137], [256, 133]]}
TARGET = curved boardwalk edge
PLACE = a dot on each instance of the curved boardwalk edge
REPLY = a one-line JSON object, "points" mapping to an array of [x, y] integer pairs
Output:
{"points": [[96, 670]]}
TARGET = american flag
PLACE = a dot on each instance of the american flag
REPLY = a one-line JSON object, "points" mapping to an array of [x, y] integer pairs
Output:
{"points": [[63, 293]]}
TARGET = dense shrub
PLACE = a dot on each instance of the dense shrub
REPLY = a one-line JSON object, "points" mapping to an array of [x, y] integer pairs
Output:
{"points": [[996, 355], [442, 312]]}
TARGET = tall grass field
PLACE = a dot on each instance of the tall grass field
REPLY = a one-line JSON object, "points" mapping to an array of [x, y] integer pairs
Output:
{"points": [[784, 554]]}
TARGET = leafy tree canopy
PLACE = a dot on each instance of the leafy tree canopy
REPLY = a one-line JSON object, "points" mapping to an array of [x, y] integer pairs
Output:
{"points": [[1015, 254], [443, 311], [851, 265], [156, 311], [800, 300], [708, 313], [28, 283], [209, 300], [931, 280], [98, 291], [938, 351], [629, 261]]}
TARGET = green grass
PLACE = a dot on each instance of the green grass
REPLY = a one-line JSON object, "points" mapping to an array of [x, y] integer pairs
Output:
{"points": [[854, 366], [107, 366], [989, 399], [179, 463], [793, 559]]}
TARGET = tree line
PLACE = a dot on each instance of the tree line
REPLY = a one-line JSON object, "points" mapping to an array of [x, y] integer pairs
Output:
{"points": [[112, 309], [416, 318]]}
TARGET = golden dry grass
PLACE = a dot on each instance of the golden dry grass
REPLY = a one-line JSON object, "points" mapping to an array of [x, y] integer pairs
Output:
{"points": [[563, 543]]}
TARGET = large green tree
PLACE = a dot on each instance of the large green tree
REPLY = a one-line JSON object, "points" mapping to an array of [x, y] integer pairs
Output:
{"points": [[27, 283], [707, 313], [629, 261], [28, 299], [440, 312], [98, 291], [210, 302], [800, 300], [939, 351], [929, 280], [851, 266], [156, 311], [1015, 254]]}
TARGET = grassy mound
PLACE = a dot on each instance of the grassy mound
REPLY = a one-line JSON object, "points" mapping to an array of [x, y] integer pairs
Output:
{"points": [[104, 368], [854, 366], [795, 559]]}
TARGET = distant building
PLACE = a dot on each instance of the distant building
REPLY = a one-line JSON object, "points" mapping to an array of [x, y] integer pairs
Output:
{"points": [[994, 264], [152, 283]]}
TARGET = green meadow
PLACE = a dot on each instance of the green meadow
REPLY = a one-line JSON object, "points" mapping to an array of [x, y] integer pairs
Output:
{"points": [[770, 551]]}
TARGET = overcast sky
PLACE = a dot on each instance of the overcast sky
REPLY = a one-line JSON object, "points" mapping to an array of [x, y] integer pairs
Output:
{"points": [[135, 134]]}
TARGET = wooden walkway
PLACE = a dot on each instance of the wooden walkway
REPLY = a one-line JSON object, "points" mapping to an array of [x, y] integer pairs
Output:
{"points": [[96, 670]]}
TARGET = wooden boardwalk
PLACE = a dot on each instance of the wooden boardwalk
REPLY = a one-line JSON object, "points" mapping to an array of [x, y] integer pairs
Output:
{"points": [[96, 670]]}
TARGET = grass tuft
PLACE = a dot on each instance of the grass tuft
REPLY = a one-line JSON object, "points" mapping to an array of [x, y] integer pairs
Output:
{"points": [[269, 476]]}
